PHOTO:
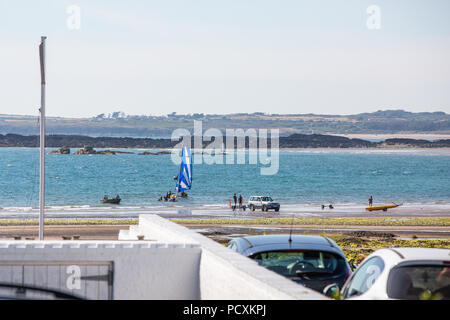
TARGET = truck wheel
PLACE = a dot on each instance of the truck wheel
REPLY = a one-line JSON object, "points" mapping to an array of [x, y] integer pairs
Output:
{"points": [[264, 208], [277, 209], [252, 207]]}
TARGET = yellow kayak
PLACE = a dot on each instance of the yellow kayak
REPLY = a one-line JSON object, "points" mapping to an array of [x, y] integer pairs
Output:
{"points": [[384, 208]]}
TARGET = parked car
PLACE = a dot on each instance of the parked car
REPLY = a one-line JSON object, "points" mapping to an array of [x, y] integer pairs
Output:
{"points": [[312, 261], [264, 203], [399, 273]]}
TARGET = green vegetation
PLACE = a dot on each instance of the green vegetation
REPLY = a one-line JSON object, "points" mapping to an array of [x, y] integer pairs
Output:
{"points": [[369, 221], [119, 124], [357, 249]]}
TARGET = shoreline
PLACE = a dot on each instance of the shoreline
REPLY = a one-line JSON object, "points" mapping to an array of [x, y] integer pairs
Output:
{"points": [[218, 210], [384, 136]]}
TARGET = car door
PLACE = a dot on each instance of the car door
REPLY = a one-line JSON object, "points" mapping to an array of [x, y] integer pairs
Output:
{"points": [[363, 278]]}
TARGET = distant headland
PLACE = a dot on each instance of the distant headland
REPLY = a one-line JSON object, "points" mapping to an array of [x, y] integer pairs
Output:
{"points": [[87, 143], [118, 124]]}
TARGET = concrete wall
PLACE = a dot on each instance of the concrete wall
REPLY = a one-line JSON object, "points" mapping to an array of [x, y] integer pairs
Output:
{"points": [[141, 269], [224, 274]]}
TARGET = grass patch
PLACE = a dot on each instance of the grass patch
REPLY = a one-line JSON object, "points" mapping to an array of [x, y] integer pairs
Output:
{"points": [[370, 221], [357, 249]]}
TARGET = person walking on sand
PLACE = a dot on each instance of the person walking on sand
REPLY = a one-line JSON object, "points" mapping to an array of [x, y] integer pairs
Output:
{"points": [[240, 201], [235, 201], [370, 201]]}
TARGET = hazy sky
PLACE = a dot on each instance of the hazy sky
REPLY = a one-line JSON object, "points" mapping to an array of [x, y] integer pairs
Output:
{"points": [[217, 56]]}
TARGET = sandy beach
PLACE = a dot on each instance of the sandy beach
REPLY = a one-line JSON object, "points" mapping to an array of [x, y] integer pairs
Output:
{"points": [[178, 210], [419, 136]]}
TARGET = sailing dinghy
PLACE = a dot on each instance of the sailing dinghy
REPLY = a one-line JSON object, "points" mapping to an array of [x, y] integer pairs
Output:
{"points": [[184, 180]]}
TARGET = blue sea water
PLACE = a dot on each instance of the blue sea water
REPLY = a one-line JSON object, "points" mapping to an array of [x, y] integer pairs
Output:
{"points": [[310, 176]]}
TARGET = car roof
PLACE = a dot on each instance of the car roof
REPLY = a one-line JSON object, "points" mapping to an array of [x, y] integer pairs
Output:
{"points": [[283, 238], [420, 253], [260, 196], [254, 244]]}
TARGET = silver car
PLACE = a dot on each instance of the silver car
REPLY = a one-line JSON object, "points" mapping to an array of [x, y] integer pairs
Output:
{"points": [[312, 261]]}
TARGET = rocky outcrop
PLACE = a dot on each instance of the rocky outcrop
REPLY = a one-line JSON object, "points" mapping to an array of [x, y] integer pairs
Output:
{"points": [[86, 150], [62, 150], [91, 150], [146, 153]]}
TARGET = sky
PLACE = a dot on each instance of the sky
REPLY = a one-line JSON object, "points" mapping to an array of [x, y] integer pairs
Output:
{"points": [[216, 56]]}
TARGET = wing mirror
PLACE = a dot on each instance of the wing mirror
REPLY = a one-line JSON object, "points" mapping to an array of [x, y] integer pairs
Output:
{"points": [[332, 291], [353, 266]]}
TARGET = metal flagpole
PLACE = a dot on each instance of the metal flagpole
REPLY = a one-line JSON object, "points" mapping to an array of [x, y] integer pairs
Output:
{"points": [[42, 140]]}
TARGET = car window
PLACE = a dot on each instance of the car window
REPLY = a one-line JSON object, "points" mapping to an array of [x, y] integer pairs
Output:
{"points": [[419, 282], [364, 277], [266, 199], [232, 246], [258, 199], [295, 263]]}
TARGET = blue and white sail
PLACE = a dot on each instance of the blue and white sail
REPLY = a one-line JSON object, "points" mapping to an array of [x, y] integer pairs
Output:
{"points": [[184, 181]]}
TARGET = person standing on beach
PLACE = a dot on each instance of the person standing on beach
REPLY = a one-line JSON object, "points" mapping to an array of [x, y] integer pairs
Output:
{"points": [[235, 200], [370, 201], [240, 201]]}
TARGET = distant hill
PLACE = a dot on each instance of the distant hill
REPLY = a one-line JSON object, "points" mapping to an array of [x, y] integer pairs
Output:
{"points": [[119, 124]]}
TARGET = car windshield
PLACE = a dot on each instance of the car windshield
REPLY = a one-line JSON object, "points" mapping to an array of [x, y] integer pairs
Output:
{"points": [[267, 199], [299, 263], [419, 282]]}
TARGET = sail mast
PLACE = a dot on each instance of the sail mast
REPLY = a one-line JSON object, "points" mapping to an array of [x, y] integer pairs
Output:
{"points": [[181, 171], [42, 140]]}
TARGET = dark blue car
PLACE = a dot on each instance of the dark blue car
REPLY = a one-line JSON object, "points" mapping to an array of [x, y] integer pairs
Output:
{"points": [[312, 261]]}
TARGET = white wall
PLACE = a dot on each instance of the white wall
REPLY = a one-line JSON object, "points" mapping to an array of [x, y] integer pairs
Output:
{"points": [[172, 262], [142, 269], [224, 274]]}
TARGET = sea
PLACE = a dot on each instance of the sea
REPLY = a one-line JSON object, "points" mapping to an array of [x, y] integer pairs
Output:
{"points": [[309, 177]]}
